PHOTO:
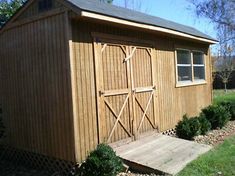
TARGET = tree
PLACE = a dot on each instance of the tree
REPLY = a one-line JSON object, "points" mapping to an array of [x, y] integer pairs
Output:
{"points": [[8, 8], [222, 14], [219, 12], [224, 65]]}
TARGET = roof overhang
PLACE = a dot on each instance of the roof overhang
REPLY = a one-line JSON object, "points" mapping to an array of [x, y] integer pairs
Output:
{"points": [[101, 17]]}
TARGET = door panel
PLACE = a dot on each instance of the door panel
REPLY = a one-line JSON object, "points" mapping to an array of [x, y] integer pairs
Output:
{"points": [[125, 90], [144, 89]]}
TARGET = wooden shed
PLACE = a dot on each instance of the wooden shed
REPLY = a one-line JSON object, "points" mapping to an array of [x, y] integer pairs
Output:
{"points": [[76, 73]]}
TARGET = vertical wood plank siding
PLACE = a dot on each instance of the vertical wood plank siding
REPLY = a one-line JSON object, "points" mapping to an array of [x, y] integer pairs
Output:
{"points": [[32, 10], [171, 102], [36, 88]]}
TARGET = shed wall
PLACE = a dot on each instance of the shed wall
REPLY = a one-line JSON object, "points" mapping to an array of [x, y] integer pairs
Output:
{"points": [[36, 87], [172, 103]]}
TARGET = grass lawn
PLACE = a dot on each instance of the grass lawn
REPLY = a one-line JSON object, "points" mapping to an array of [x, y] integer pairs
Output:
{"points": [[220, 95], [220, 159]]}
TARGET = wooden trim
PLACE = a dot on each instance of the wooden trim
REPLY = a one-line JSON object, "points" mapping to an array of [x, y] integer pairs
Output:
{"points": [[144, 89], [34, 18], [144, 26], [97, 50], [73, 83], [109, 38], [187, 84], [114, 92]]}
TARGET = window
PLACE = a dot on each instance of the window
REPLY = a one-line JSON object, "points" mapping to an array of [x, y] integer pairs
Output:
{"points": [[44, 5], [184, 65], [190, 66], [198, 66]]}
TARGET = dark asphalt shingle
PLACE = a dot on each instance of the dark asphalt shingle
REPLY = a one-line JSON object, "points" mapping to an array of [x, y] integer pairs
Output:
{"points": [[130, 15]]}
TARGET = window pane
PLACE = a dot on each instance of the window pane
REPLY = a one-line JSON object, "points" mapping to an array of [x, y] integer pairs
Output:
{"points": [[198, 58], [199, 73], [183, 57], [184, 73]]}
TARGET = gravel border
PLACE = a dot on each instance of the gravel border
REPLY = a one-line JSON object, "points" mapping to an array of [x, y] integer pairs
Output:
{"points": [[217, 136]]}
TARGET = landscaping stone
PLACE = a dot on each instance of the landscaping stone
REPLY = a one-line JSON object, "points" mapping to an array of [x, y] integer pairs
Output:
{"points": [[217, 136]]}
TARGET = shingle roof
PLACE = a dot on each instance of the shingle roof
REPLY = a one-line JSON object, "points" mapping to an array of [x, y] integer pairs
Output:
{"points": [[122, 13]]}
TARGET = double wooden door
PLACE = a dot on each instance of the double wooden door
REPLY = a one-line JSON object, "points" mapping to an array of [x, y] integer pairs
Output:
{"points": [[125, 90]]}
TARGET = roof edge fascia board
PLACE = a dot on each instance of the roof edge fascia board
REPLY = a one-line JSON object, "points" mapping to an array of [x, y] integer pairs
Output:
{"points": [[88, 14]]}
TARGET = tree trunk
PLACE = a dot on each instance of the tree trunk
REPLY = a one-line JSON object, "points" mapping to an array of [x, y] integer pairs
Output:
{"points": [[225, 88]]}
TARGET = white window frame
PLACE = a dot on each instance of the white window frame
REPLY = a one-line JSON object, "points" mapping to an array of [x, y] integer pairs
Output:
{"points": [[193, 81], [199, 65]]}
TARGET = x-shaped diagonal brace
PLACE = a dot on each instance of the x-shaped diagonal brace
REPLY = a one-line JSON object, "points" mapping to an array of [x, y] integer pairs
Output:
{"points": [[118, 117], [145, 112]]}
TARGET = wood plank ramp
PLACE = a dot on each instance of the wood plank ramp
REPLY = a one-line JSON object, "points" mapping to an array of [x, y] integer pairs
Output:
{"points": [[159, 153]]}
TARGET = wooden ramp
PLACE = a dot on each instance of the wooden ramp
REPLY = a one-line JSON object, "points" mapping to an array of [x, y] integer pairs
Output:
{"points": [[160, 153]]}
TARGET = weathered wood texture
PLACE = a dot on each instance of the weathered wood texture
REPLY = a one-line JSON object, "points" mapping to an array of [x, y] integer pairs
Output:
{"points": [[36, 87], [161, 153], [32, 9], [171, 102], [51, 82]]}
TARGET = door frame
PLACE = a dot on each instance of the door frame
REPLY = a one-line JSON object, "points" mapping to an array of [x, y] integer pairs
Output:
{"points": [[109, 38]]}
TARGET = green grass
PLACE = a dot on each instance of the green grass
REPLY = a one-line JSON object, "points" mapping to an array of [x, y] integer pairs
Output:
{"points": [[220, 95], [219, 159]]}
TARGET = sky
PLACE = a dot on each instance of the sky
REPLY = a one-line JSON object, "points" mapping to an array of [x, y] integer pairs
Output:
{"points": [[180, 11]]}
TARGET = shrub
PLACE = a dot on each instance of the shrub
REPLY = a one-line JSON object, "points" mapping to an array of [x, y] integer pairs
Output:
{"points": [[101, 162], [230, 107], [217, 115], [188, 128], [205, 125]]}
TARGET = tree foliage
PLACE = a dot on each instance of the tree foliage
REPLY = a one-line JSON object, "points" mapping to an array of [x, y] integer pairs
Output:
{"points": [[8, 8], [221, 13]]}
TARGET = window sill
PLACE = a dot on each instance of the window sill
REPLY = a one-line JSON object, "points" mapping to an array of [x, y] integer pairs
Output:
{"points": [[190, 83]]}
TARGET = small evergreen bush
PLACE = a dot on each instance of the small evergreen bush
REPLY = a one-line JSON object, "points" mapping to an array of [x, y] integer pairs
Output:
{"points": [[188, 128], [205, 125], [230, 107], [217, 115], [101, 162]]}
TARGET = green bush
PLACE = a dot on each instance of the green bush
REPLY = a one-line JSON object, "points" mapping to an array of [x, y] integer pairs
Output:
{"points": [[188, 128], [101, 162], [230, 107], [205, 125], [217, 115]]}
